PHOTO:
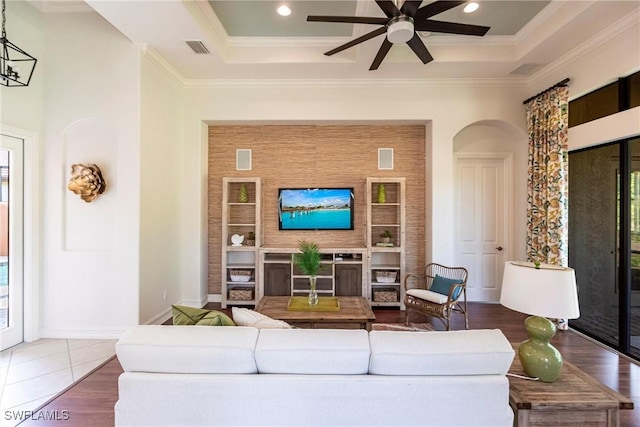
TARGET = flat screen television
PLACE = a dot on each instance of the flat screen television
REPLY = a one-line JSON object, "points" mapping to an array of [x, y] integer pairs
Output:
{"points": [[315, 208]]}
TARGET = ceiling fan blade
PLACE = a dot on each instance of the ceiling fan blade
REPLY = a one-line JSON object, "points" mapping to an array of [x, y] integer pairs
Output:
{"points": [[389, 8], [435, 8], [410, 7], [348, 19], [382, 52], [360, 39], [451, 28], [420, 49]]}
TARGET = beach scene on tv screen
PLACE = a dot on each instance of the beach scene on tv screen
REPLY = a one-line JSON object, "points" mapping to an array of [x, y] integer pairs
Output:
{"points": [[315, 209]]}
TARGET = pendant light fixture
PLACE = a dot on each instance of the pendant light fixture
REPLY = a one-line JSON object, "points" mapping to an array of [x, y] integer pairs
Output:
{"points": [[16, 65]]}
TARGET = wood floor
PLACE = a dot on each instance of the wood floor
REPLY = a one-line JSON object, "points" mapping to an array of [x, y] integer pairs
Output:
{"points": [[90, 402]]}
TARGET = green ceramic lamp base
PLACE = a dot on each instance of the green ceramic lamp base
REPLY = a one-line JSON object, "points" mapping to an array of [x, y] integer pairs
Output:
{"points": [[540, 359]]}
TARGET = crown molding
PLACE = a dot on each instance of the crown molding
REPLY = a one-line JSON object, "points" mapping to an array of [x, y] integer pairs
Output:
{"points": [[512, 82], [155, 58], [586, 47]]}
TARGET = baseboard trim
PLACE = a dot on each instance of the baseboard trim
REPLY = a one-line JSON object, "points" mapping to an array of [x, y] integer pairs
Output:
{"points": [[160, 318], [214, 298]]}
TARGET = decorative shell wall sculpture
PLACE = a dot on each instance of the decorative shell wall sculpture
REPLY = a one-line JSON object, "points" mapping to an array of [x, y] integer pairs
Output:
{"points": [[87, 181]]}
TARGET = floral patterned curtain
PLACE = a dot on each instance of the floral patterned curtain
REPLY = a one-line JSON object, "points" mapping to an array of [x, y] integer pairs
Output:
{"points": [[547, 217]]}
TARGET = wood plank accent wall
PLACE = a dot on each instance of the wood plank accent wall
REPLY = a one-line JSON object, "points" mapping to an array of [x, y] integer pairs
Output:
{"points": [[310, 156]]}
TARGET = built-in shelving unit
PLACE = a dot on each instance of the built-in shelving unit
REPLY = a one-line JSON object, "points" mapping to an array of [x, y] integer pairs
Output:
{"points": [[386, 257], [374, 271], [241, 209]]}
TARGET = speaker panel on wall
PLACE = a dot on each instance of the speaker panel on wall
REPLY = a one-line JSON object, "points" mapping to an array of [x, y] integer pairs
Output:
{"points": [[385, 158], [243, 159]]}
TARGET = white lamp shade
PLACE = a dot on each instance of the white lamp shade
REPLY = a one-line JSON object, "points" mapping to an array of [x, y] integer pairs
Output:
{"points": [[548, 291]]}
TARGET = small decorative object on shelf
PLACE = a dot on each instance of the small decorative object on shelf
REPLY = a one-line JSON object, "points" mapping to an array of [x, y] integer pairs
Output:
{"points": [[382, 196], [308, 260], [237, 239], [243, 196], [386, 236], [251, 238], [87, 181]]}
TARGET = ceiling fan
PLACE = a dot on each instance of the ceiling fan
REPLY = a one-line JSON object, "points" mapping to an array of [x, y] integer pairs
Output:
{"points": [[401, 26]]}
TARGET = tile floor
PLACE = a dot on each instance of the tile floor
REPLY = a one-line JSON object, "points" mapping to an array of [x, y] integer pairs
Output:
{"points": [[32, 373]]}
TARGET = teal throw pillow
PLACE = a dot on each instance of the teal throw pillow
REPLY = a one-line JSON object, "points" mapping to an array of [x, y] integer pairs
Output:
{"points": [[183, 315], [442, 285]]}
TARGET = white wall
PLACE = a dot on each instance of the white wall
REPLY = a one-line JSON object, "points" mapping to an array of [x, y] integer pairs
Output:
{"points": [[90, 267], [161, 170]]}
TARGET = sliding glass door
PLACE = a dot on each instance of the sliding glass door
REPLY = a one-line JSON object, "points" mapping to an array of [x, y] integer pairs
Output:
{"points": [[604, 242], [11, 244]]}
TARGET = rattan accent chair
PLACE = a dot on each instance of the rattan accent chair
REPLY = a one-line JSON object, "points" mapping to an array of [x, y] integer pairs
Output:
{"points": [[422, 296]]}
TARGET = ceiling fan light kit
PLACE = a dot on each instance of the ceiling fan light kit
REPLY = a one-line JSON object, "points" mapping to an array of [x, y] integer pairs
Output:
{"points": [[403, 25], [400, 29]]}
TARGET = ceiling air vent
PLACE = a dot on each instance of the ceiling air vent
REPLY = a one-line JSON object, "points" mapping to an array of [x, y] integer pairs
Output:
{"points": [[526, 69], [197, 46]]}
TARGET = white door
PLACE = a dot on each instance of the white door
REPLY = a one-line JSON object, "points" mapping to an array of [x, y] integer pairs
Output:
{"points": [[11, 242], [483, 221]]}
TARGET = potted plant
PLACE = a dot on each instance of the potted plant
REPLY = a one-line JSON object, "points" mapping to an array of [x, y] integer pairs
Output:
{"points": [[308, 260], [251, 238], [386, 236]]}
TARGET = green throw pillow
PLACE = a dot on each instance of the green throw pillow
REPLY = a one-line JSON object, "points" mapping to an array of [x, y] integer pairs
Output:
{"points": [[183, 315], [442, 285]]}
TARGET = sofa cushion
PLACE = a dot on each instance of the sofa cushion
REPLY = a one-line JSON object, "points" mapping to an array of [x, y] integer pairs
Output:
{"points": [[188, 349], [473, 352], [428, 295], [442, 285], [246, 317], [183, 315], [312, 351]]}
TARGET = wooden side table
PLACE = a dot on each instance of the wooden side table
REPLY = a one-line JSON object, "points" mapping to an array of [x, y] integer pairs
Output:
{"points": [[575, 399]]}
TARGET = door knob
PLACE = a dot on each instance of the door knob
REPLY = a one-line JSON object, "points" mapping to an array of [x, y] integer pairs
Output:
{"points": [[499, 248]]}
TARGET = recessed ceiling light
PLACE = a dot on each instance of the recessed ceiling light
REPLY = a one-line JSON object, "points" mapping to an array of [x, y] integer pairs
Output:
{"points": [[471, 7], [284, 10]]}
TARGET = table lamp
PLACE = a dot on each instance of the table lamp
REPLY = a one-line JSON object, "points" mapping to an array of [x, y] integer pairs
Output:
{"points": [[543, 291]]}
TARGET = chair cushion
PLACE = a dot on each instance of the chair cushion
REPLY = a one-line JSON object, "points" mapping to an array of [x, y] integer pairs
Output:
{"points": [[183, 315], [442, 285], [428, 295]]}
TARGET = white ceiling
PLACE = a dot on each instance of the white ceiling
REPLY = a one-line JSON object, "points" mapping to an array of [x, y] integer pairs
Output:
{"points": [[248, 40]]}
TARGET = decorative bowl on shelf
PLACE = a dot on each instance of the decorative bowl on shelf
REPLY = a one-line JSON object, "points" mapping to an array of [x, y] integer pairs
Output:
{"points": [[240, 275], [386, 276]]}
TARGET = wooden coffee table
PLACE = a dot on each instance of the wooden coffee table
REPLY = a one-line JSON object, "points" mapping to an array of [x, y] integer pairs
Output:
{"points": [[575, 398], [354, 313]]}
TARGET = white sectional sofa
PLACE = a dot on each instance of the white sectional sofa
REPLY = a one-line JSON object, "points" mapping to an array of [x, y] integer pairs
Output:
{"points": [[207, 375]]}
